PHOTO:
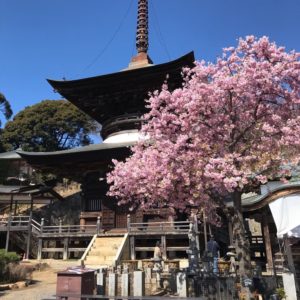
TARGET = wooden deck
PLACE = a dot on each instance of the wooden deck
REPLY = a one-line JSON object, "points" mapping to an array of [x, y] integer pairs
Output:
{"points": [[65, 235]]}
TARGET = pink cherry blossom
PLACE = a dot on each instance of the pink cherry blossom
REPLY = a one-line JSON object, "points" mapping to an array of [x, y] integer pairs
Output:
{"points": [[230, 127]]}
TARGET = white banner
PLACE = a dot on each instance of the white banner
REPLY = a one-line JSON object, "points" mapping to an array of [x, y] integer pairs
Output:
{"points": [[286, 214]]}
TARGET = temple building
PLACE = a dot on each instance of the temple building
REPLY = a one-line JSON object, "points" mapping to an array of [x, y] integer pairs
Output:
{"points": [[117, 102]]}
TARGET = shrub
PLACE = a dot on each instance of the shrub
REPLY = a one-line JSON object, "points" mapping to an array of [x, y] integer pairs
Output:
{"points": [[17, 272], [281, 293], [7, 258]]}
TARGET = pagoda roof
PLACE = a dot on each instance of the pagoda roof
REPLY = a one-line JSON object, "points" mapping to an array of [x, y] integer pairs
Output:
{"points": [[10, 155], [72, 163], [108, 96], [34, 190]]}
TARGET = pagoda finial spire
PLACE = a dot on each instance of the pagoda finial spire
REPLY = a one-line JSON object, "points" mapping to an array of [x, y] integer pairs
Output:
{"points": [[141, 59], [142, 27]]}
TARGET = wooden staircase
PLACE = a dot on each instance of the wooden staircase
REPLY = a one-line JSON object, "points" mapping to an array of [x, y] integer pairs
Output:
{"points": [[104, 251]]}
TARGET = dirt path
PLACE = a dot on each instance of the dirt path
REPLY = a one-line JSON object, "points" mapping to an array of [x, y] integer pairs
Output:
{"points": [[44, 286]]}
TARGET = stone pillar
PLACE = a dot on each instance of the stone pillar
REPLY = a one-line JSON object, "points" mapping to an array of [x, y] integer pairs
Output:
{"points": [[289, 285], [148, 275], [125, 285], [138, 283], [100, 283], [112, 284], [181, 285]]}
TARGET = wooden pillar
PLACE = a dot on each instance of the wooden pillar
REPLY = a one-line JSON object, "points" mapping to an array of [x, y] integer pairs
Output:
{"points": [[197, 233], [29, 228], [40, 242], [205, 230], [9, 222], [66, 249], [268, 245], [132, 248], [60, 225], [230, 232], [15, 210], [164, 247], [40, 247], [128, 223], [98, 224], [82, 222]]}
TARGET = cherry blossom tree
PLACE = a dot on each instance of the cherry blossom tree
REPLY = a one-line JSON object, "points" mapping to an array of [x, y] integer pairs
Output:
{"points": [[231, 127]]}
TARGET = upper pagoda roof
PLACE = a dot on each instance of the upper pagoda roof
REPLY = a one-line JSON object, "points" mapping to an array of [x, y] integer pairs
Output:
{"points": [[108, 96]]}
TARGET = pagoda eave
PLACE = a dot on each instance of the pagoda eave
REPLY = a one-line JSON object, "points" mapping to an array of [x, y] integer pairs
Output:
{"points": [[111, 95], [75, 162]]}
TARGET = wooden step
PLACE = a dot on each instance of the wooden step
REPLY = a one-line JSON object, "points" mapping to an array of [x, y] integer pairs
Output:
{"points": [[99, 262], [101, 252], [104, 251], [108, 240]]}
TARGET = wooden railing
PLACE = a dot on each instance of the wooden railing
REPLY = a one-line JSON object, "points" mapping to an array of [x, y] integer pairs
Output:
{"points": [[63, 229], [24, 222], [87, 250], [156, 227], [14, 223]]}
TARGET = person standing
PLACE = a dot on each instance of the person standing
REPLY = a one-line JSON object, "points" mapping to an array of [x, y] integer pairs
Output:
{"points": [[213, 251], [157, 257], [157, 251]]}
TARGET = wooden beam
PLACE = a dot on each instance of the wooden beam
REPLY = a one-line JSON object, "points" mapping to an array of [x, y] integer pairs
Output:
{"points": [[52, 249], [77, 249], [140, 249]]}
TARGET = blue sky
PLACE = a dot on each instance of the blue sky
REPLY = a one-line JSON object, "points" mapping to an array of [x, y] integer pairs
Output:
{"points": [[81, 38]]}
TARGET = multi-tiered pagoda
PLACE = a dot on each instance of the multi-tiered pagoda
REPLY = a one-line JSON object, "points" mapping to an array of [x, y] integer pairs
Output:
{"points": [[117, 102]]}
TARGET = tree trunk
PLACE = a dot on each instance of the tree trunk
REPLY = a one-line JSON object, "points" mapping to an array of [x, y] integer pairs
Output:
{"points": [[241, 243]]}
